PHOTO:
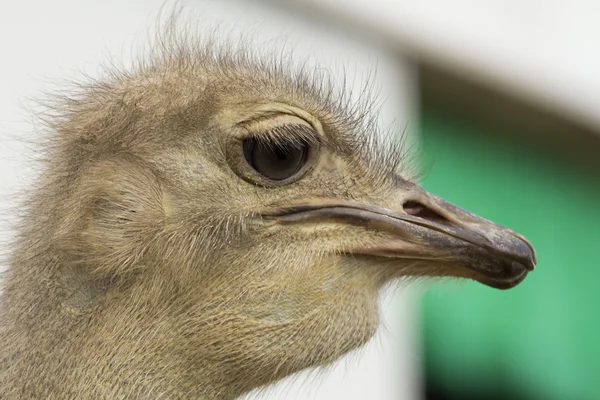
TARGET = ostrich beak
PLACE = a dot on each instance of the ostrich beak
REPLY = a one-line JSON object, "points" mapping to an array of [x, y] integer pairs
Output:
{"points": [[429, 228]]}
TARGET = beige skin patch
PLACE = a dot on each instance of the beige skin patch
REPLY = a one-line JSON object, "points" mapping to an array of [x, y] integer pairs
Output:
{"points": [[265, 117]]}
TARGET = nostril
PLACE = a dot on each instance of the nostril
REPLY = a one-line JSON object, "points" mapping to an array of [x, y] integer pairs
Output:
{"points": [[419, 210]]}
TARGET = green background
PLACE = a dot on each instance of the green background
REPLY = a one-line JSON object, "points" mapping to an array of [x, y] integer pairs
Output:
{"points": [[539, 340]]}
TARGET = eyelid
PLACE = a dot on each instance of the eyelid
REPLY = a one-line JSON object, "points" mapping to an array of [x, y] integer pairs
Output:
{"points": [[295, 133], [291, 133], [274, 124]]}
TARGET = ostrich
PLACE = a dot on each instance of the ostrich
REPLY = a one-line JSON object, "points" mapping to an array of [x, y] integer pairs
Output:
{"points": [[212, 222]]}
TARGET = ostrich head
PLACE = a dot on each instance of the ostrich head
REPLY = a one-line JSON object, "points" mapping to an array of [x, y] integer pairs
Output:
{"points": [[210, 223]]}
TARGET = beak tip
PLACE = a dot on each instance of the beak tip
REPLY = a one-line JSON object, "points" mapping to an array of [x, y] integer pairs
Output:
{"points": [[533, 263], [532, 256]]}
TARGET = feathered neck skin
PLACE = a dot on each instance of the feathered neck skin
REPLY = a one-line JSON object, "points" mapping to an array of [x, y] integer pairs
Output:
{"points": [[75, 336], [209, 223]]}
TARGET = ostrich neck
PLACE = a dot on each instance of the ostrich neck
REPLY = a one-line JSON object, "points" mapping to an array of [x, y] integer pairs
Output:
{"points": [[68, 346]]}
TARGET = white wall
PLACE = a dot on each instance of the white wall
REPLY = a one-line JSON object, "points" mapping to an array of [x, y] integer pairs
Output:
{"points": [[44, 42], [545, 51]]}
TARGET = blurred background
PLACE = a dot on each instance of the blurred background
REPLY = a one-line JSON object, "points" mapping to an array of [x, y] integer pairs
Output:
{"points": [[503, 98]]}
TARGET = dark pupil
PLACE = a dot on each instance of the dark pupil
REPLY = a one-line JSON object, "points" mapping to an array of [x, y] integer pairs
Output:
{"points": [[276, 161]]}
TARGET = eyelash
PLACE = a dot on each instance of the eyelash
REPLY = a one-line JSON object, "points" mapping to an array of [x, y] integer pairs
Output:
{"points": [[283, 136]]}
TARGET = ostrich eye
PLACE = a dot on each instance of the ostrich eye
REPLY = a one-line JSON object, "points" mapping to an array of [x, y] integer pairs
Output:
{"points": [[275, 161]]}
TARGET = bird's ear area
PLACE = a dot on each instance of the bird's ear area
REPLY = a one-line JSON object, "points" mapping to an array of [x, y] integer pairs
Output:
{"points": [[113, 216]]}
